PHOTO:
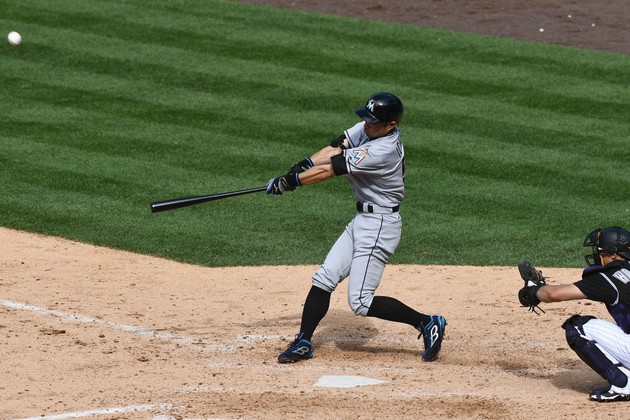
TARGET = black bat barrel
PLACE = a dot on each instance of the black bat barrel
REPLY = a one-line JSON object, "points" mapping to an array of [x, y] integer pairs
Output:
{"points": [[177, 203]]}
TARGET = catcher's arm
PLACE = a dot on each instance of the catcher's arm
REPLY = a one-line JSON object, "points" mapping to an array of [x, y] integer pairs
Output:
{"points": [[534, 281], [560, 293]]}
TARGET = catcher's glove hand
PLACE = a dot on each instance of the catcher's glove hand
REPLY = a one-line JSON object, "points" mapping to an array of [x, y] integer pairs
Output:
{"points": [[534, 280]]}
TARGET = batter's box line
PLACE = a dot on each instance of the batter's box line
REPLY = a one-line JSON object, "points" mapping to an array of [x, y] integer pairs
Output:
{"points": [[102, 411], [187, 341], [146, 332]]}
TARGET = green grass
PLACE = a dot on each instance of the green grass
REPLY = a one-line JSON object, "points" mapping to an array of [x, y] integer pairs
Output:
{"points": [[513, 149]]}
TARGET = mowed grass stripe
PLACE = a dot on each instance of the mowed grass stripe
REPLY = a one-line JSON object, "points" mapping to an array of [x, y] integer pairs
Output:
{"points": [[124, 102], [462, 87], [484, 159], [197, 98], [203, 103], [275, 39]]}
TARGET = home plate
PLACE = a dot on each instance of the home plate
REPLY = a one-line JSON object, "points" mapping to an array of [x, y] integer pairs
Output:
{"points": [[346, 381]]}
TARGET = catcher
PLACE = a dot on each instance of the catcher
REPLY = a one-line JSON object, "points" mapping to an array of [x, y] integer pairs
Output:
{"points": [[602, 345]]}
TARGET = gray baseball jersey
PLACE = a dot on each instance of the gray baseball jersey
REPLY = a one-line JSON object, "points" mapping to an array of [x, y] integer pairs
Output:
{"points": [[375, 171], [375, 167]]}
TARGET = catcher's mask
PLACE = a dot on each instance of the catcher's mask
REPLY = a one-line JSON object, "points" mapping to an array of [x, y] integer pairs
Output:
{"points": [[611, 240]]}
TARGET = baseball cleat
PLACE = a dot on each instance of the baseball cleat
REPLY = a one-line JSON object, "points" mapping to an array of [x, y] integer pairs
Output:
{"points": [[433, 333], [299, 349], [608, 394]]}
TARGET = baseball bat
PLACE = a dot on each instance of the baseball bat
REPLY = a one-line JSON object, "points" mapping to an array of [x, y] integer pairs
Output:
{"points": [[177, 203]]}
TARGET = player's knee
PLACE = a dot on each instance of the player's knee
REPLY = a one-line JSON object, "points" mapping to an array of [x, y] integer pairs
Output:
{"points": [[589, 351], [358, 306], [577, 321], [574, 331]]}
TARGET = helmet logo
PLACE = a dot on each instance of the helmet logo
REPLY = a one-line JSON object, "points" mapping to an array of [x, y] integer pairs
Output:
{"points": [[370, 105]]}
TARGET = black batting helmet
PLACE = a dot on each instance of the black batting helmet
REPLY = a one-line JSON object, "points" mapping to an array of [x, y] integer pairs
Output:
{"points": [[611, 240], [381, 108]]}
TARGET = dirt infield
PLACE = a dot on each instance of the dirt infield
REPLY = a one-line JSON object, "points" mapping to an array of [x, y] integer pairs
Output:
{"points": [[87, 331]]}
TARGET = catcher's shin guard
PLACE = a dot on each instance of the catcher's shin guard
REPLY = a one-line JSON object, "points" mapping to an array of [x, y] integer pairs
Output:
{"points": [[591, 353]]}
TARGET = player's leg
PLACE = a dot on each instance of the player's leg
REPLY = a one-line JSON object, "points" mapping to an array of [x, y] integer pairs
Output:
{"points": [[600, 345], [315, 309], [390, 309], [431, 327], [376, 238], [325, 280], [611, 337]]}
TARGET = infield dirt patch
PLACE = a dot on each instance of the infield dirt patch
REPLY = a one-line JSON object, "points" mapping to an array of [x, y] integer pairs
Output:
{"points": [[85, 328]]}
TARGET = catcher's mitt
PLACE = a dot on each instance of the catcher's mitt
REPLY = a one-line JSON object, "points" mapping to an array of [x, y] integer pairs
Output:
{"points": [[534, 280]]}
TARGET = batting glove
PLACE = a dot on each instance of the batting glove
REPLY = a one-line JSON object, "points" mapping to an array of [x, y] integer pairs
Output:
{"points": [[281, 184]]}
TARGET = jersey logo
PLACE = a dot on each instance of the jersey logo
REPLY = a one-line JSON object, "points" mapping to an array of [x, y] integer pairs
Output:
{"points": [[622, 275], [358, 155]]}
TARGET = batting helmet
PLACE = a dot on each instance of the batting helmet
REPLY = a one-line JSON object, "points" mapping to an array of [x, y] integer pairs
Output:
{"points": [[611, 240], [381, 108]]}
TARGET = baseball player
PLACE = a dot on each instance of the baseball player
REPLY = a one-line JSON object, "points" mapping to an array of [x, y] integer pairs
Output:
{"points": [[602, 345], [371, 157]]}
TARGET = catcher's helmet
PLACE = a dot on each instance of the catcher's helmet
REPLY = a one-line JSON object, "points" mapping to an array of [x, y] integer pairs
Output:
{"points": [[381, 108], [611, 240]]}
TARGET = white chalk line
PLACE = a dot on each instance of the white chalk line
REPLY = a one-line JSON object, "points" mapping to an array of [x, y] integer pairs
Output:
{"points": [[102, 411], [162, 417], [147, 332], [191, 342]]}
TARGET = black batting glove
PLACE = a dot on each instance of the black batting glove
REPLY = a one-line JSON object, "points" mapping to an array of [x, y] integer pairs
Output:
{"points": [[281, 184], [338, 142]]}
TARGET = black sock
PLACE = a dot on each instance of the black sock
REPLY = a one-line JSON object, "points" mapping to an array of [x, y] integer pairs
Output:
{"points": [[315, 308], [390, 309]]}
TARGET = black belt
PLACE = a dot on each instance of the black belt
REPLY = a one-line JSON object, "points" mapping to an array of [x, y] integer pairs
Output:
{"points": [[373, 208]]}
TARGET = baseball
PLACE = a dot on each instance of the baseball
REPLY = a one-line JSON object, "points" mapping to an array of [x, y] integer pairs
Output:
{"points": [[14, 38]]}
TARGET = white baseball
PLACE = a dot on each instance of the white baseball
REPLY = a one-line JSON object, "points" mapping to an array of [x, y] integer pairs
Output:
{"points": [[14, 38]]}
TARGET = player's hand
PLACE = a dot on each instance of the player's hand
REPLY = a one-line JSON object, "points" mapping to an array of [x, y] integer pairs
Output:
{"points": [[533, 280], [339, 142], [277, 186]]}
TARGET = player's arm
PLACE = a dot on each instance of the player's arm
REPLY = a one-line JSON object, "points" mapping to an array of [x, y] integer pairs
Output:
{"points": [[322, 168], [311, 170], [321, 162], [322, 157], [559, 293]]}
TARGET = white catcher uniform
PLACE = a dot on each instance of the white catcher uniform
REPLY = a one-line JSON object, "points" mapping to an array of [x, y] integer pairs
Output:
{"points": [[375, 169]]}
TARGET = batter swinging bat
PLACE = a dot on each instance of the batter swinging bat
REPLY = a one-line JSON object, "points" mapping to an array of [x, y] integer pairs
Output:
{"points": [[177, 203]]}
